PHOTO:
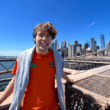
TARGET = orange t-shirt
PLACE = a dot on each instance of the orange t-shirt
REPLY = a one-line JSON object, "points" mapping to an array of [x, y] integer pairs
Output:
{"points": [[40, 92]]}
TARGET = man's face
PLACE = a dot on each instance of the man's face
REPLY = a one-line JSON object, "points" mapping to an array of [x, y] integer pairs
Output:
{"points": [[43, 41]]}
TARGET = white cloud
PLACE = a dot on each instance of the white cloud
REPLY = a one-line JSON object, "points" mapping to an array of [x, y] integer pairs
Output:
{"points": [[92, 24], [9, 53]]}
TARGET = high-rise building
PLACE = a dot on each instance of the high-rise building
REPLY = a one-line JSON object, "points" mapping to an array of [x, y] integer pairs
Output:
{"points": [[55, 42], [107, 45], [57, 46], [97, 47], [52, 45], [88, 42], [75, 42], [84, 47], [102, 41], [64, 52], [93, 44], [68, 45], [79, 49], [71, 50], [63, 44], [59, 51]]}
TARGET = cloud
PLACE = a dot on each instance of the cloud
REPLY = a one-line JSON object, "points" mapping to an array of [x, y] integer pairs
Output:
{"points": [[91, 24]]}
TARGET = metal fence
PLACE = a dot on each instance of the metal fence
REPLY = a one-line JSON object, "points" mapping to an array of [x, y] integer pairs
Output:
{"points": [[83, 65], [4, 82], [78, 100], [90, 91]]}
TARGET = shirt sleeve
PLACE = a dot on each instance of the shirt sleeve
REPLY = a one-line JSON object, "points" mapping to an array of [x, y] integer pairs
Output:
{"points": [[15, 67]]}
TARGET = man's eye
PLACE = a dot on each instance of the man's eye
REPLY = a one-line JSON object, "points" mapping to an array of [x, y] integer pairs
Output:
{"points": [[48, 36], [40, 35]]}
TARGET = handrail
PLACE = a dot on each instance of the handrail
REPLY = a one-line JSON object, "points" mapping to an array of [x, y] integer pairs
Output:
{"points": [[3, 80], [7, 60], [69, 89], [76, 99], [87, 62], [5, 71]]}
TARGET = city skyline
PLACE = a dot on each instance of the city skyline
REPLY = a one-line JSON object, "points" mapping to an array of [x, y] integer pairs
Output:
{"points": [[74, 20], [87, 41], [13, 52]]}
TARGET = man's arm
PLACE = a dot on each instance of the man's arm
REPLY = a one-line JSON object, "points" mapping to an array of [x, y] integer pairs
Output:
{"points": [[64, 76], [7, 92]]}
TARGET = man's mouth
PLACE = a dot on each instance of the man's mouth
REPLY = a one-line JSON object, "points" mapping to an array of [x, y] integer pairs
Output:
{"points": [[44, 44]]}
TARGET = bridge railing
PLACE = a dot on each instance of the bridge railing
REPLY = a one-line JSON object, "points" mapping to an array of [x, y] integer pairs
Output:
{"points": [[77, 99], [83, 65], [90, 90], [5, 69]]}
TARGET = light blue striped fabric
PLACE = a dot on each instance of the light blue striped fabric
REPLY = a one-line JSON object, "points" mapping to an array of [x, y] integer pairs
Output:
{"points": [[22, 77]]}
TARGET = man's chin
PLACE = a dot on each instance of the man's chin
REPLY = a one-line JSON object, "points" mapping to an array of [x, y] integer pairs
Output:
{"points": [[43, 49]]}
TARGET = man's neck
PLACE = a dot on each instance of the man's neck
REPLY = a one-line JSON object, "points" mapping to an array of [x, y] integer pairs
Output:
{"points": [[41, 52]]}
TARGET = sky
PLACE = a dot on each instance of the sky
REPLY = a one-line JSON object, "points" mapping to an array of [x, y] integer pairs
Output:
{"points": [[78, 20]]}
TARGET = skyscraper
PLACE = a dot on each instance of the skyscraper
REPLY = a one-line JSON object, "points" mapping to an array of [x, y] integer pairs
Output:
{"points": [[107, 45], [79, 49], [55, 42], [68, 45], [102, 41], [53, 45], [88, 42], [71, 50], [63, 44], [93, 44], [75, 42]]}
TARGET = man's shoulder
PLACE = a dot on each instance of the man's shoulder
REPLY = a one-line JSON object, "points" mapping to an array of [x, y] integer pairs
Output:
{"points": [[27, 51], [55, 51], [57, 54]]}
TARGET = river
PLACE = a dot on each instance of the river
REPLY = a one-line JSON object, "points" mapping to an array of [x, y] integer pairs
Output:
{"points": [[7, 65]]}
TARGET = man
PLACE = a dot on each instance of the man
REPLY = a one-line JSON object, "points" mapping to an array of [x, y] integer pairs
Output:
{"points": [[34, 73]]}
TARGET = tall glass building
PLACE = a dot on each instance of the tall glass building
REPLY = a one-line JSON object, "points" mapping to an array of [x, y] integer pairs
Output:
{"points": [[102, 41], [93, 45]]}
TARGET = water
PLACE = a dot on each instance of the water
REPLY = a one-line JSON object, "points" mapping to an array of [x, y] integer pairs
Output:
{"points": [[7, 65]]}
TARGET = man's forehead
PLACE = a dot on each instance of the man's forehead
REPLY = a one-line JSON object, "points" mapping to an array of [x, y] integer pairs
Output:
{"points": [[43, 32]]}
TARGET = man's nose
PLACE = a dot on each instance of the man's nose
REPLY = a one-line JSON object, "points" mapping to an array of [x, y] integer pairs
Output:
{"points": [[44, 38]]}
